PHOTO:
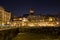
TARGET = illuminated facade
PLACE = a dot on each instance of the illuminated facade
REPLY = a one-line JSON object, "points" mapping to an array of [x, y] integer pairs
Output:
{"points": [[36, 20], [1, 14], [40, 20], [17, 21], [31, 20], [4, 16]]}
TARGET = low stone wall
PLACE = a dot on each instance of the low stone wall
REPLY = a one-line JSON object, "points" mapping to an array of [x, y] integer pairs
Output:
{"points": [[11, 33], [44, 30], [8, 34]]}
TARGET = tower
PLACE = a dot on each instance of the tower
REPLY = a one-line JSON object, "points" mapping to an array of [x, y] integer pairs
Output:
{"points": [[31, 11]]}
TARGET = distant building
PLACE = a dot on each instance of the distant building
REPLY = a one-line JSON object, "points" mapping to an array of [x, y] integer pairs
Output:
{"points": [[40, 20], [17, 21], [27, 19]]}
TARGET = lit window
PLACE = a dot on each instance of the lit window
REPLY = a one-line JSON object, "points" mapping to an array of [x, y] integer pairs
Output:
{"points": [[20, 18], [24, 19], [50, 19], [31, 24], [57, 22], [7, 22]]}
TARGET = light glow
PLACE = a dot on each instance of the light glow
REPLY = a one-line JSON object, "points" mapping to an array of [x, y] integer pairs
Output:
{"points": [[50, 19], [24, 19], [31, 24], [57, 22]]}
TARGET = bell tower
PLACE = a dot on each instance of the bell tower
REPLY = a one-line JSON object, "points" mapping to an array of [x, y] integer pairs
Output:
{"points": [[31, 11]]}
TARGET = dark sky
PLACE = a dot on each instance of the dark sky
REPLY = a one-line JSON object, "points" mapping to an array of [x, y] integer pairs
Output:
{"points": [[20, 7]]}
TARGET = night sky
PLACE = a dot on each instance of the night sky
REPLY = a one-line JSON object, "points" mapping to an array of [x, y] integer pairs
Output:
{"points": [[20, 7]]}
